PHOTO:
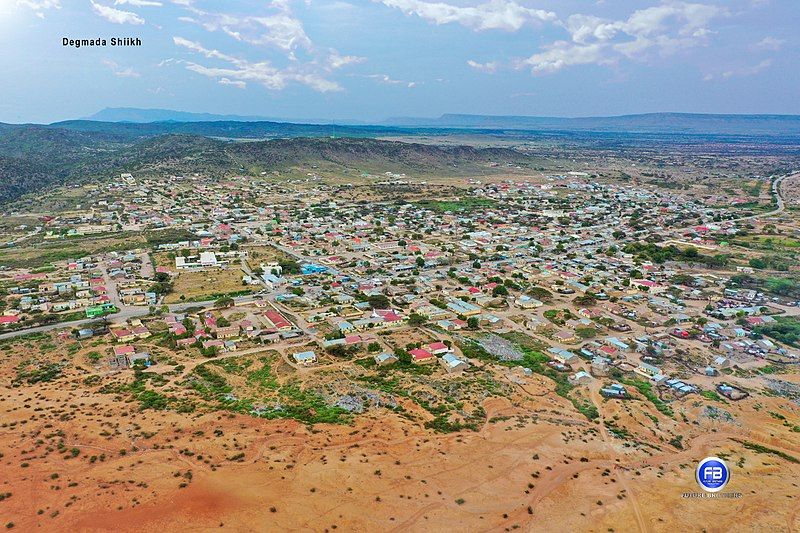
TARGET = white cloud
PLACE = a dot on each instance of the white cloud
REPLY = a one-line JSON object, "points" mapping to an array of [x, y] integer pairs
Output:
{"points": [[278, 29], [562, 54], [262, 72], [388, 80], [748, 71], [197, 47], [138, 3], [117, 16], [121, 72], [679, 19], [664, 29], [281, 29], [490, 67], [337, 61], [770, 43], [39, 6], [493, 15], [339, 5], [301, 62], [740, 72], [238, 83]]}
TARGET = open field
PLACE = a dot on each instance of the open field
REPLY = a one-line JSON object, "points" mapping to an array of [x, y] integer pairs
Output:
{"points": [[207, 285], [70, 448], [40, 252]]}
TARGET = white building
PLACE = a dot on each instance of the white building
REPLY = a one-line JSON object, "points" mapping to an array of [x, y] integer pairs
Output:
{"points": [[305, 358]]}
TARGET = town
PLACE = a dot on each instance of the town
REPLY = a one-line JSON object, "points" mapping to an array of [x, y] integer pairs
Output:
{"points": [[399, 266], [311, 300], [559, 260]]}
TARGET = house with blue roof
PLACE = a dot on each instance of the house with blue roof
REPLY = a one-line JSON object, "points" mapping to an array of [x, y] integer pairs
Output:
{"points": [[452, 364], [386, 358]]}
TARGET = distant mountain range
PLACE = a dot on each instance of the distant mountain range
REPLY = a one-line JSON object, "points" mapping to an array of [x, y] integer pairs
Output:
{"points": [[661, 123], [669, 123], [139, 115], [134, 114]]}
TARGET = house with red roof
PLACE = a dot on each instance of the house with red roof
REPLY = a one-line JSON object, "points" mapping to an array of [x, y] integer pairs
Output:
{"points": [[214, 343], [124, 335], [125, 349], [277, 320], [438, 348], [9, 319], [590, 313], [141, 332], [389, 316], [608, 350], [420, 356], [352, 340]]}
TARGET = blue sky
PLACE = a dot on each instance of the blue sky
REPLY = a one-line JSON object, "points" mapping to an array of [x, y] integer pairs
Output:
{"points": [[373, 59]]}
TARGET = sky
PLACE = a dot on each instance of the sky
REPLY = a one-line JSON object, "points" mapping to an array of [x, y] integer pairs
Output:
{"points": [[370, 60]]}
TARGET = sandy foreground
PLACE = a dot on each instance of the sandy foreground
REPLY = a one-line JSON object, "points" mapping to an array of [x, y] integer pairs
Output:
{"points": [[77, 460]]}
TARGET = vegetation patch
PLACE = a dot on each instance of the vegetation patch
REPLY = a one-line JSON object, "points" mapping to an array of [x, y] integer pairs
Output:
{"points": [[758, 448], [646, 389], [785, 329]]}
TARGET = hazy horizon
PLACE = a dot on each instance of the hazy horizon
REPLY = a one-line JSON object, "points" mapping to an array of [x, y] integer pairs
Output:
{"points": [[243, 117]]}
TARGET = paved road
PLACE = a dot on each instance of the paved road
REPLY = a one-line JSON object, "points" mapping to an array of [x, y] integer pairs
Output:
{"points": [[776, 188], [28, 235], [125, 313]]}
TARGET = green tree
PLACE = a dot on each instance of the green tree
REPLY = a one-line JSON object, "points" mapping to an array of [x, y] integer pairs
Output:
{"points": [[415, 319], [500, 290], [379, 301], [225, 301]]}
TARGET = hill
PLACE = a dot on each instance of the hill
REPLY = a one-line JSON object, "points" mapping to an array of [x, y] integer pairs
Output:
{"points": [[18, 176], [36, 157], [181, 153], [39, 157], [223, 129]]}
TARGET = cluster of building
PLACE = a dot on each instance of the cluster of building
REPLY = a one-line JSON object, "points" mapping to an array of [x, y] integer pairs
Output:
{"points": [[560, 258]]}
